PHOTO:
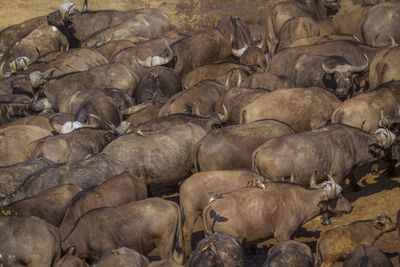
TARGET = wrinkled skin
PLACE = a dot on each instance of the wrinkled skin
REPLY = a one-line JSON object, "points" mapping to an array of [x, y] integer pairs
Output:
{"points": [[48, 205], [369, 256], [302, 109], [115, 191], [289, 253], [364, 110], [385, 67], [172, 148], [235, 99], [86, 173], [231, 147], [218, 250], [28, 241], [195, 196], [74, 146], [335, 243], [202, 95], [342, 148], [210, 122], [253, 215], [267, 80], [140, 225], [108, 50], [121, 257], [157, 85]]}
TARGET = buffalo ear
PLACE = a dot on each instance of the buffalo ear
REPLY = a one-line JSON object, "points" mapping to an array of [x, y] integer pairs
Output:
{"points": [[70, 250]]}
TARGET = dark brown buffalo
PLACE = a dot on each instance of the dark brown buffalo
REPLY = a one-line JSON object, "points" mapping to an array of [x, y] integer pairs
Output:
{"points": [[16, 32], [203, 48], [39, 42], [48, 205], [231, 147], [302, 109], [367, 256], [385, 67], [140, 225], [289, 253], [86, 173], [70, 260], [157, 85], [254, 214], [211, 72], [366, 110], [235, 99], [335, 149], [267, 80], [218, 250], [122, 257], [210, 122], [202, 96], [172, 148], [303, 27], [58, 91], [115, 191], [151, 23], [201, 188], [28, 241], [380, 27], [72, 147], [336, 243], [82, 24]]}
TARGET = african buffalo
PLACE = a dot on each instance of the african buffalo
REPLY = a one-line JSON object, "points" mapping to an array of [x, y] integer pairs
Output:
{"points": [[255, 214], [366, 110], [70, 260], [336, 243], [348, 19], [302, 109], [144, 114], [157, 85], [140, 225], [218, 250], [203, 96], [231, 147], [201, 188], [28, 241], [172, 148], [335, 149], [385, 67], [289, 253], [48, 205], [368, 256], [109, 49], [115, 191]]}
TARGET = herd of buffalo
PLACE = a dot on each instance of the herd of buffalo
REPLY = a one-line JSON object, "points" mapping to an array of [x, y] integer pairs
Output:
{"points": [[103, 111]]}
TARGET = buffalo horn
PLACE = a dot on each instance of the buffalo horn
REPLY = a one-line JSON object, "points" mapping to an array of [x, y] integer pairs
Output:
{"points": [[313, 180], [197, 110], [332, 192], [226, 115], [84, 8], [384, 122], [239, 52], [157, 60], [108, 123], [362, 67], [262, 43]]}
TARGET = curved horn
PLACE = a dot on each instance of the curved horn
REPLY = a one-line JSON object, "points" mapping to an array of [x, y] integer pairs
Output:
{"points": [[262, 43], [225, 119], [108, 123], [326, 69], [196, 110], [157, 60], [362, 67], [313, 180], [239, 52], [84, 8], [384, 122], [332, 192]]}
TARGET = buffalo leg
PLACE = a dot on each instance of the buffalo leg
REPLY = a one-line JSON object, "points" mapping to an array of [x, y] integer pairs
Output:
{"points": [[187, 229]]}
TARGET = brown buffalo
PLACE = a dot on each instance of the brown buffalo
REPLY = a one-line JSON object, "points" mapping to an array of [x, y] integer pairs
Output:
{"points": [[115, 191], [70, 260], [140, 225], [201, 188], [368, 255], [267, 80], [122, 257], [336, 243], [289, 253], [384, 68], [144, 114]]}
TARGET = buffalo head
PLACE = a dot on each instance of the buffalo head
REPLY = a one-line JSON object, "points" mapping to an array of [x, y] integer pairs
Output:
{"points": [[340, 75]]}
